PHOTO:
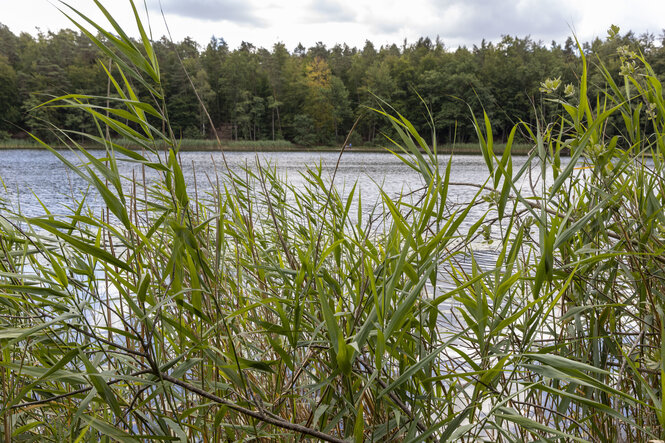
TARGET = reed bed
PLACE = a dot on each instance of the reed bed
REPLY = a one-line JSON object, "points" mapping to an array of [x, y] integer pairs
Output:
{"points": [[269, 145], [183, 145], [262, 311]]}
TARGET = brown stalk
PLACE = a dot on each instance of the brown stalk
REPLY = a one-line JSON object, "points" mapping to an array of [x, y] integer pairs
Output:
{"points": [[72, 393], [270, 419]]}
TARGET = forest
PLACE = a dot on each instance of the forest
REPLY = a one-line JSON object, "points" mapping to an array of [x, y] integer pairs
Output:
{"points": [[312, 96]]}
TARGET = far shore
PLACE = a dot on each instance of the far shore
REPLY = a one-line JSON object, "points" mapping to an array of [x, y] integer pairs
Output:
{"points": [[211, 146]]}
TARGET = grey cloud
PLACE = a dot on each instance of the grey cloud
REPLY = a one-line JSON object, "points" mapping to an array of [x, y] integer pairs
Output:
{"points": [[328, 11], [238, 11], [490, 19], [470, 21], [386, 26]]}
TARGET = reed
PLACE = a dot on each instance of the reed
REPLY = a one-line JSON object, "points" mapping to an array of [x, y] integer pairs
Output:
{"points": [[183, 145], [267, 311], [269, 145]]}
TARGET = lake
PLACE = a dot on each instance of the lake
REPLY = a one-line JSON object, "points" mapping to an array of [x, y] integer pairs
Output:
{"points": [[31, 176]]}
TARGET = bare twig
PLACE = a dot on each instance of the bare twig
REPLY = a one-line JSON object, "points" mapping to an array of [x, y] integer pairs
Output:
{"points": [[270, 419]]}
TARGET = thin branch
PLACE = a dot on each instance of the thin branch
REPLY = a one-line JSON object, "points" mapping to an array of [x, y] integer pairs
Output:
{"points": [[257, 415], [78, 391]]}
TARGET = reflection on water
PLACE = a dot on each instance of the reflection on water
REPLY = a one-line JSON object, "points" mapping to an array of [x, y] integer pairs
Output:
{"points": [[31, 176], [36, 177]]}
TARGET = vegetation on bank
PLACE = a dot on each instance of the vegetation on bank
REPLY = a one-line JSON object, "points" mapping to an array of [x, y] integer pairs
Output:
{"points": [[183, 145], [311, 96], [266, 311], [268, 145]]}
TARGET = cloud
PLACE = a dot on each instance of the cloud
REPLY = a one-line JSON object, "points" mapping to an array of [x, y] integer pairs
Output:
{"points": [[477, 19], [456, 22], [237, 11], [328, 11], [394, 17], [469, 21]]}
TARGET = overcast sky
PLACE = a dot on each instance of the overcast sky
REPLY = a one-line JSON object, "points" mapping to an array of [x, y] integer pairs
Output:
{"points": [[264, 22]]}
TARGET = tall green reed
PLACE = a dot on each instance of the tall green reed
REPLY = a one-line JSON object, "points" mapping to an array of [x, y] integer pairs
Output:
{"points": [[270, 311]]}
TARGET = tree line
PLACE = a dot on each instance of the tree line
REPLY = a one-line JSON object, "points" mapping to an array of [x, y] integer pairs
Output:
{"points": [[313, 96]]}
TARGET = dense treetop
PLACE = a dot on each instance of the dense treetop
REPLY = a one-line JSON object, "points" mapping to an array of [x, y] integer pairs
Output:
{"points": [[313, 95]]}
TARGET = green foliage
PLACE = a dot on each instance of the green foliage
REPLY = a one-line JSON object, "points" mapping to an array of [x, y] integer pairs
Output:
{"points": [[304, 130], [9, 103]]}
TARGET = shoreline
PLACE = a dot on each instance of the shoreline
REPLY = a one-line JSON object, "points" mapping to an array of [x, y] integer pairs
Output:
{"points": [[462, 149]]}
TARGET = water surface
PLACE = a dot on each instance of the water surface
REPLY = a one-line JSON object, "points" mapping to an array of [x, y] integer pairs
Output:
{"points": [[34, 176]]}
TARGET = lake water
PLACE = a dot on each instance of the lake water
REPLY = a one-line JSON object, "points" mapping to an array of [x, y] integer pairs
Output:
{"points": [[31, 176], [34, 176]]}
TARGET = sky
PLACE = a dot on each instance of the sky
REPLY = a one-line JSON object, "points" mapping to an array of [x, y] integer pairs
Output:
{"points": [[265, 22]]}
